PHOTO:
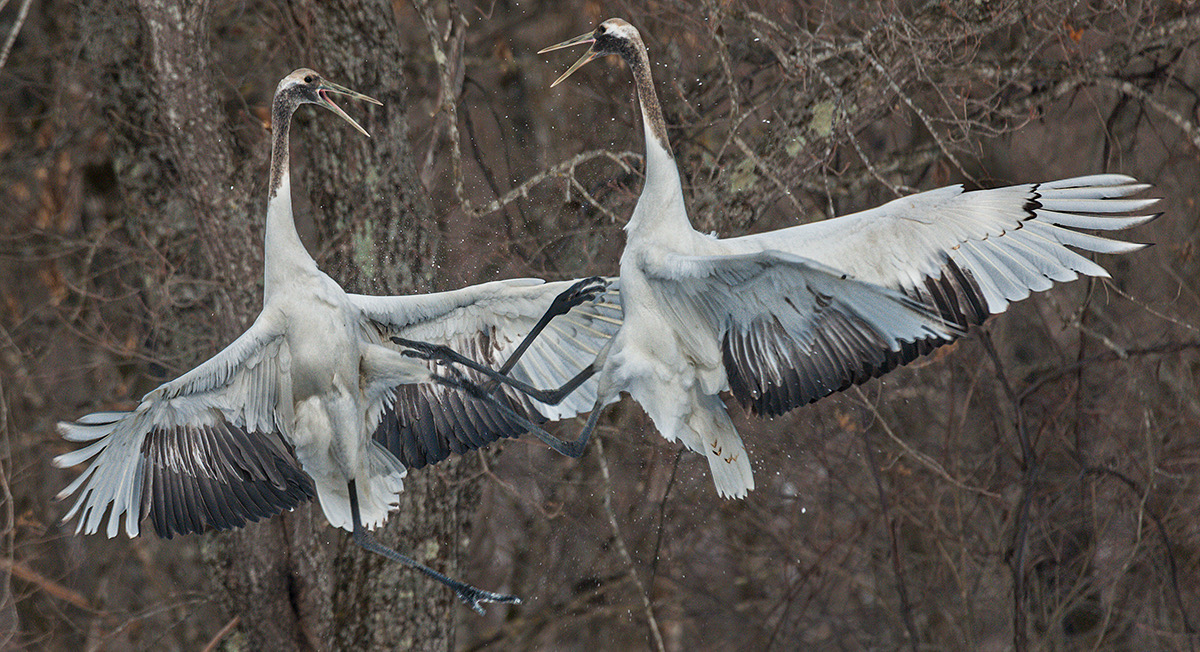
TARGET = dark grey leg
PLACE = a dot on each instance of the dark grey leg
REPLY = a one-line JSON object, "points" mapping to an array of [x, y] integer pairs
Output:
{"points": [[584, 290], [568, 448], [426, 351], [470, 595]]}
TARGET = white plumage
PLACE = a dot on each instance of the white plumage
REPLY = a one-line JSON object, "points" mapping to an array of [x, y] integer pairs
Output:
{"points": [[315, 398], [784, 318]]}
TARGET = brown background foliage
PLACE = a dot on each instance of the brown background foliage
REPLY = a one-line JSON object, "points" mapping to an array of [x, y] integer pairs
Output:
{"points": [[1033, 485]]}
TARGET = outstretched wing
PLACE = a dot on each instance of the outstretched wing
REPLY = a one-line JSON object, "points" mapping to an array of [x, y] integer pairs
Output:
{"points": [[970, 254], [423, 424], [784, 331], [962, 255], [204, 451]]}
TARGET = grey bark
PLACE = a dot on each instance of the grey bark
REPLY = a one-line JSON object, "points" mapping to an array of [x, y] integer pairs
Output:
{"points": [[197, 142], [294, 582]]}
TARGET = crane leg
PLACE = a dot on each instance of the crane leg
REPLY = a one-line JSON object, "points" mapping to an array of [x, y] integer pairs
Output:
{"points": [[569, 448], [581, 291], [470, 595], [441, 353]]}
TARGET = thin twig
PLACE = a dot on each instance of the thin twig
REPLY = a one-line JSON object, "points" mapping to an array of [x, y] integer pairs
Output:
{"points": [[920, 113], [1030, 469], [565, 168], [662, 516], [512, 490], [762, 166], [1150, 309], [216, 640], [839, 100], [450, 68], [52, 588], [592, 200], [1162, 532], [1110, 356], [713, 20], [612, 521], [22, 13], [1188, 127], [924, 459], [897, 567], [7, 602]]}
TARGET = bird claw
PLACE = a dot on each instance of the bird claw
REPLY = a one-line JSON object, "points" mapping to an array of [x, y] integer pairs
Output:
{"points": [[427, 351], [473, 597], [588, 289], [420, 355]]}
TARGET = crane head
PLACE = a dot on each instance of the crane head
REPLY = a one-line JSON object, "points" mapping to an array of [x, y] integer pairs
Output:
{"points": [[306, 86], [613, 36]]}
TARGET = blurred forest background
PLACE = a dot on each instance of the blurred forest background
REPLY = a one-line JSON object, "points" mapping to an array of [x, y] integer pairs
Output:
{"points": [[1032, 487]]}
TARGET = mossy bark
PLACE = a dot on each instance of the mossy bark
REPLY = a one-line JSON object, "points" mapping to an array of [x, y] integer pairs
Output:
{"points": [[294, 582]]}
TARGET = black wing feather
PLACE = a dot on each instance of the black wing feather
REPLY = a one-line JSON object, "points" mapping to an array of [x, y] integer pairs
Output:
{"points": [[218, 477]]}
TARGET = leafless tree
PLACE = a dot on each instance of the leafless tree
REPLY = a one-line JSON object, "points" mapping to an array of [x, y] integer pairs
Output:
{"points": [[1033, 486]]}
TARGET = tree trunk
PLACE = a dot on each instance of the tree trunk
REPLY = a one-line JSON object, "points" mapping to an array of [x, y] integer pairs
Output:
{"points": [[369, 204], [294, 582]]}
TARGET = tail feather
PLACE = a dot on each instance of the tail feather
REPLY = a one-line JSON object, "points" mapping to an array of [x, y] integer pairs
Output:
{"points": [[714, 437], [378, 489]]}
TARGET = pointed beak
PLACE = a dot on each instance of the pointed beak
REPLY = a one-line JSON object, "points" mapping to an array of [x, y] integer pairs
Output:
{"points": [[330, 87], [590, 37]]}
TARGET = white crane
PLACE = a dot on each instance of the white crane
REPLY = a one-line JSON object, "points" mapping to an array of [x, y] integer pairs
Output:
{"points": [[314, 398], [784, 318]]}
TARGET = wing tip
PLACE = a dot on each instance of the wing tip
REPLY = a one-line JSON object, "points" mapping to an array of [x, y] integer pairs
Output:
{"points": [[1146, 219]]}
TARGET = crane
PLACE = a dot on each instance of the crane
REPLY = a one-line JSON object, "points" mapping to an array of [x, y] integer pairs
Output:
{"points": [[315, 398], [784, 318]]}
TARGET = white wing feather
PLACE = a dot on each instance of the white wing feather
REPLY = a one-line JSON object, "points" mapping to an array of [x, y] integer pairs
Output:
{"points": [[1009, 241], [501, 313], [239, 386]]}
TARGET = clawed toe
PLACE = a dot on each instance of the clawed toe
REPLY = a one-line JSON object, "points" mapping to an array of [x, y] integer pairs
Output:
{"points": [[427, 351], [582, 291], [596, 287], [474, 598]]}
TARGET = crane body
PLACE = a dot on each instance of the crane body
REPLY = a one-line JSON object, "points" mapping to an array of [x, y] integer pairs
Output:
{"points": [[316, 399], [785, 318]]}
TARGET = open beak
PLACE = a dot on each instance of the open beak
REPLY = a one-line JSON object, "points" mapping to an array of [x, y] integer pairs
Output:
{"points": [[330, 87], [590, 37]]}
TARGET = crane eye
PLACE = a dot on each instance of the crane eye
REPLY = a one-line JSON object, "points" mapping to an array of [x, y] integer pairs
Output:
{"points": [[600, 31], [308, 79]]}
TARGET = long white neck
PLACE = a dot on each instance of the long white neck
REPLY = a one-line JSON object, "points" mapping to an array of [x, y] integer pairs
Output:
{"points": [[284, 254], [660, 208]]}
